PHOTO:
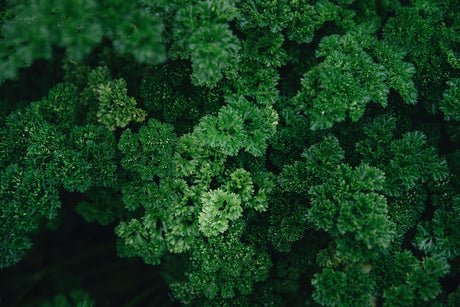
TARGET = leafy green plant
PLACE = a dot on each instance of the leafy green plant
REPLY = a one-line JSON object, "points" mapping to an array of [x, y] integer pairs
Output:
{"points": [[261, 153]]}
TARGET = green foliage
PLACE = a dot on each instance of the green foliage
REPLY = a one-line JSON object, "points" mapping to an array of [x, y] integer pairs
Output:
{"points": [[116, 109], [201, 33], [408, 163], [78, 26], [299, 19], [345, 202], [238, 125], [454, 298], [440, 236], [102, 206], [141, 240], [261, 153], [169, 95], [288, 221], [218, 208], [149, 152], [42, 152], [348, 78], [222, 266], [102, 99], [350, 288], [19, 214], [96, 146], [450, 105], [406, 280], [426, 32], [348, 207], [172, 182]]}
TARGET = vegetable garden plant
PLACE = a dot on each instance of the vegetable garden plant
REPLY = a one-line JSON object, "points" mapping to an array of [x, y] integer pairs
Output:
{"points": [[258, 152]]}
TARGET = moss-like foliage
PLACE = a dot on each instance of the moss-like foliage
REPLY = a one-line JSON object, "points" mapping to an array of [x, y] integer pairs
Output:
{"points": [[261, 153]]}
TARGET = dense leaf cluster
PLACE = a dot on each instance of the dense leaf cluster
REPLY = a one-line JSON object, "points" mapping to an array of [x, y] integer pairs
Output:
{"points": [[286, 152]]}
